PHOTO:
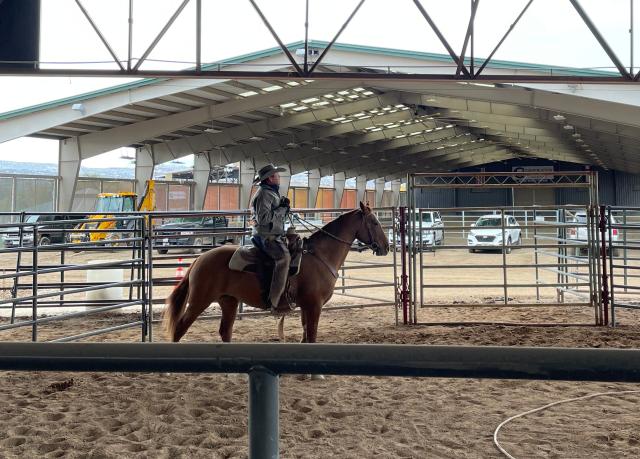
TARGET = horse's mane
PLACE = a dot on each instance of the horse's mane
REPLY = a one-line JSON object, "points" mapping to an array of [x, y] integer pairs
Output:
{"points": [[333, 225]]}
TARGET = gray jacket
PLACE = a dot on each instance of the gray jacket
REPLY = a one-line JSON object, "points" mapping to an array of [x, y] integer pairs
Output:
{"points": [[267, 213]]}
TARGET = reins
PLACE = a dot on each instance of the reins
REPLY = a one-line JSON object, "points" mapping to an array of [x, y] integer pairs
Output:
{"points": [[306, 224]]}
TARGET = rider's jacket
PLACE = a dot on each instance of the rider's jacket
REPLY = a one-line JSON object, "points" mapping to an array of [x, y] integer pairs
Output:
{"points": [[268, 215]]}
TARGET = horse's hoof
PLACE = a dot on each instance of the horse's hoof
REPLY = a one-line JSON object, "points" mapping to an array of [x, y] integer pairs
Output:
{"points": [[317, 378]]}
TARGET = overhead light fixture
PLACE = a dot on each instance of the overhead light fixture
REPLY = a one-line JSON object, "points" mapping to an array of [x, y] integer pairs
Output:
{"points": [[559, 117], [576, 135], [568, 127], [316, 148]]}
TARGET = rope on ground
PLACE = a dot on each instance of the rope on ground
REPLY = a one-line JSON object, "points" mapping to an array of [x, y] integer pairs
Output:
{"points": [[535, 410]]}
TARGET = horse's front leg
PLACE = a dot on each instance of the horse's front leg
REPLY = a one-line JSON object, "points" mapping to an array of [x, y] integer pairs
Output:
{"points": [[310, 320], [303, 320]]}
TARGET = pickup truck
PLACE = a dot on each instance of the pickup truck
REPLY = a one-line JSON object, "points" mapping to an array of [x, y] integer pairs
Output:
{"points": [[52, 229], [432, 233], [579, 233], [191, 233]]}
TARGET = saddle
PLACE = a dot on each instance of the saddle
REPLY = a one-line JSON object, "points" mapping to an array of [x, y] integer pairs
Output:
{"points": [[251, 259]]}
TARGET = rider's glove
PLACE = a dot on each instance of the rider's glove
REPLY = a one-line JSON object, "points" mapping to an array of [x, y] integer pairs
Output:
{"points": [[285, 202]]}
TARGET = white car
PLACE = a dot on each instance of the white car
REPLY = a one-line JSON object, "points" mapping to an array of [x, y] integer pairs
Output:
{"points": [[487, 233], [579, 233], [432, 233]]}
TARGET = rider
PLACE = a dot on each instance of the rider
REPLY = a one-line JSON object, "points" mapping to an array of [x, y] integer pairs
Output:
{"points": [[269, 213]]}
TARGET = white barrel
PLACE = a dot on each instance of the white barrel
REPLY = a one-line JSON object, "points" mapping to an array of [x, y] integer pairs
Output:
{"points": [[108, 275]]}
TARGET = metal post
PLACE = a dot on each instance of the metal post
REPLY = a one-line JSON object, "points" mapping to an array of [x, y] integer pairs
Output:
{"points": [[624, 250], [395, 260], [130, 36], [63, 252], [404, 292], [603, 252], [34, 286], [142, 288], [611, 277], [504, 259], [149, 241], [535, 252], [198, 35], [419, 246], [263, 414], [16, 280]]}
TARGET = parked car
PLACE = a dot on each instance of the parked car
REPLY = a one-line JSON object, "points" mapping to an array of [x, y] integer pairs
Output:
{"points": [[427, 235], [50, 228], [487, 233], [580, 234], [191, 231]]}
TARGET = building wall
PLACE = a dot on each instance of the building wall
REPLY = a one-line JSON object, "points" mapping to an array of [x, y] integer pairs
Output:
{"points": [[348, 199], [325, 198], [222, 197]]}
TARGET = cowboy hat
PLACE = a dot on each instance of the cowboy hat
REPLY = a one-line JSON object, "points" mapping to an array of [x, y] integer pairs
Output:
{"points": [[267, 171]]}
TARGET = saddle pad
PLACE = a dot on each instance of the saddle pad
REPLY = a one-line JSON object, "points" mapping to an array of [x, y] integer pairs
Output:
{"points": [[247, 257]]}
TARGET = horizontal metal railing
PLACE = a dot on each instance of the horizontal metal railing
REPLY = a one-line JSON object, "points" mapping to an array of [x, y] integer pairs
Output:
{"points": [[265, 362]]}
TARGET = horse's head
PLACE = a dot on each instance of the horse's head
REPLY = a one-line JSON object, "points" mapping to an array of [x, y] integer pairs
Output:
{"points": [[371, 233]]}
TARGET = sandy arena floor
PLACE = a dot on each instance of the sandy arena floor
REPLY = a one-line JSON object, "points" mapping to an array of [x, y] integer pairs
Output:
{"points": [[203, 416]]}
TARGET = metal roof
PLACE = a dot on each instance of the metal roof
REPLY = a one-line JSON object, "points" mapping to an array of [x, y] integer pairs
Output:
{"points": [[375, 128]]}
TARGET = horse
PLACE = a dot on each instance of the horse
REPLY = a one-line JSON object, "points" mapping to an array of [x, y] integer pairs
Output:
{"points": [[209, 278]]}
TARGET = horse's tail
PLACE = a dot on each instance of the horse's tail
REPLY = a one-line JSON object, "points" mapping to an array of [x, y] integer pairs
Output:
{"points": [[175, 306]]}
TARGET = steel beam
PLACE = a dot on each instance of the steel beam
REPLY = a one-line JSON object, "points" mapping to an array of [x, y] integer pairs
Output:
{"points": [[190, 145], [107, 140], [339, 179]]}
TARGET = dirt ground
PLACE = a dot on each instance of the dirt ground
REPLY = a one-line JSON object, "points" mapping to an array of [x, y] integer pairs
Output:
{"points": [[184, 415]]}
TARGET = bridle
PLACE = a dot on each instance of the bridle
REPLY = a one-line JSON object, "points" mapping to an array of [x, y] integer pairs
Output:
{"points": [[371, 245]]}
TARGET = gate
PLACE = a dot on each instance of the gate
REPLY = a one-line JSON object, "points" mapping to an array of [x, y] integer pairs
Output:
{"points": [[620, 257], [564, 270]]}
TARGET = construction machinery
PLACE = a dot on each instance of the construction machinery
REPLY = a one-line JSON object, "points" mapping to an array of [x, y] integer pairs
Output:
{"points": [[100, 227]]}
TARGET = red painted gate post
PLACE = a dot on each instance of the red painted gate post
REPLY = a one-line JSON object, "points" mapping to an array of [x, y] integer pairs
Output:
{"points": [[404, 289], [603, 253]]}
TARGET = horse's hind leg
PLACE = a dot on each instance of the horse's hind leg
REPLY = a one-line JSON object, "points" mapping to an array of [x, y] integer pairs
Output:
{"points": [[229, 306], [194, 309]]}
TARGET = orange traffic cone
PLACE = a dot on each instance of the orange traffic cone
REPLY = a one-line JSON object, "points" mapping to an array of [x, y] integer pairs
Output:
{"points": [[179, 270]]}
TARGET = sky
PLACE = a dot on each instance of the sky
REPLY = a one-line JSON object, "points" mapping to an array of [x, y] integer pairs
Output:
{"points": [[550, 32]]}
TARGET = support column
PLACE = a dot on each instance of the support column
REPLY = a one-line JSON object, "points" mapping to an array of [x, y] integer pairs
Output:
{"points": [[247, 174], [314, 186], [201, 173], [361, 188], [145, 166], [379, 191], [285, 179], [395, 192], [69, 161], [338, 185]]}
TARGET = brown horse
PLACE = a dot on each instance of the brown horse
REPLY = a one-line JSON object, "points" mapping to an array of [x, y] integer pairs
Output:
{"points": [[209, 278]]}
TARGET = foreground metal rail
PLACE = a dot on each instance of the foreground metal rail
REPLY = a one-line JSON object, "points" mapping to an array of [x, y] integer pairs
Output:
{"points": [[265, 362]]}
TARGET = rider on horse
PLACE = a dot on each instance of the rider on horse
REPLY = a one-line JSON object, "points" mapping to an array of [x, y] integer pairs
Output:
{"points": [[270, 211]]}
